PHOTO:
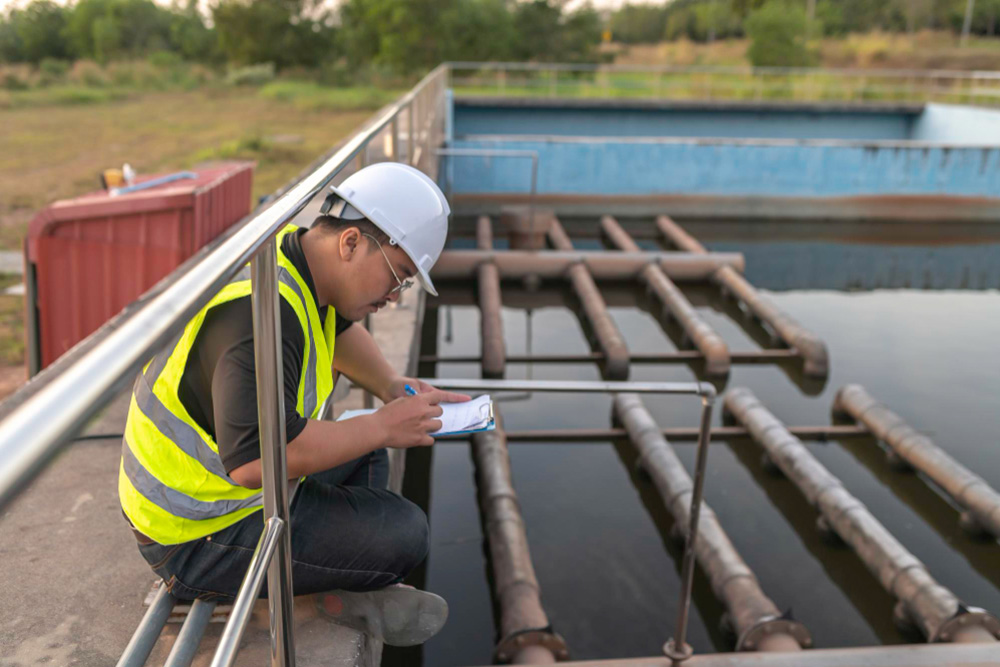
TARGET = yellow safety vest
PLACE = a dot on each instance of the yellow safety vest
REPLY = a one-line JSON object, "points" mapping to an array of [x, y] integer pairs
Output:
{"points": [[171, 482]]}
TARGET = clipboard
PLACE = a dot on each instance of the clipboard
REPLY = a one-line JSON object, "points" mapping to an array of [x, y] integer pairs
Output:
{"points": [[488, 415]]}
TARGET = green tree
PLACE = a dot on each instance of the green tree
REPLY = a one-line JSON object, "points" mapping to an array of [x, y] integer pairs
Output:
{"points": [[10, 43], [270, 31], [536, 23], [638, 24], [108, 29], [405, 35], [777, 36], [190, 37], [477, 30], [35, 33]]}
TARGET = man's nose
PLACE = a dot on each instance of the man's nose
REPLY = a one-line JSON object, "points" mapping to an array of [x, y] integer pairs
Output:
{"points": [[393, 296]]}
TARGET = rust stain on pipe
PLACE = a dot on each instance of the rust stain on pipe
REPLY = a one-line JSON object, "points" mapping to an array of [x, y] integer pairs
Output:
{"points": [[491, 322], [932, 607], [809, 345], [523, 622], [757, 620], [708, 342], [679, 266], [980, 501], [609, 338]]}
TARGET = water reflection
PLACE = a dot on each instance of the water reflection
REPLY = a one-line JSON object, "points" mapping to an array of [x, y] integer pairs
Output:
{"points": [[599, 535]]}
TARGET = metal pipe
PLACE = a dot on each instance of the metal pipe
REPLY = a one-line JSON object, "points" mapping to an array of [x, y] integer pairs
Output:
{"points": [[676, 648], [609, 338], [145, 636], [979, 500], [681, 356], [187, 641], [274, 471], [253, 581], [817, 433], [931, 606], [63, 400], [494, 357], [809, 345], [757, 621], [523, 622], [679, 266], [677, 433], [704, 389], [674, 303]]}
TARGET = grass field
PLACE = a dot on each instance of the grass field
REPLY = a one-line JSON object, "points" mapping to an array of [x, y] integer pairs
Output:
{"points": [[53, 152]]}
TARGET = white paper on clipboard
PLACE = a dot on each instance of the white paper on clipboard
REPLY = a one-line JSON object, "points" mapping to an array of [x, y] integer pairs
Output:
{"points": [[474, 415]]}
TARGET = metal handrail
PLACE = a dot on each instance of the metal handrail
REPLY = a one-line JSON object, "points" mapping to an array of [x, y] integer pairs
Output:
{"points": [[41, 418], [676, 648], [898, 86]]}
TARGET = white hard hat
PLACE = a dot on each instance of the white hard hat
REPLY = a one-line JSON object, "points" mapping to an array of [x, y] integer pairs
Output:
{"points": [[405, 204]]}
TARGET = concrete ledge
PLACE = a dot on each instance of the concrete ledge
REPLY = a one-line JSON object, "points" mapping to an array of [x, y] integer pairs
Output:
{"points": [[685, 105]]}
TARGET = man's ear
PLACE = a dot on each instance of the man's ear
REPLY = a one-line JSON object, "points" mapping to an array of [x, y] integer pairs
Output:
{"points": [[348, 245]]}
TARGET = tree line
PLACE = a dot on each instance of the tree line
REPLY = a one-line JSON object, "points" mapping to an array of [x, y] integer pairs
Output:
{"points": [[405, 36], [706, 20], [399, 35]]}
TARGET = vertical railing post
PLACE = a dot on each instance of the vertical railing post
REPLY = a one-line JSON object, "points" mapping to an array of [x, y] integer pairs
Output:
{"points": [[394, 138], [274, 473], [411, 134], [677, 648]]}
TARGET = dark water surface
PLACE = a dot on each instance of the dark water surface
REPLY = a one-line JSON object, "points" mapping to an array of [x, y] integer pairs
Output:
{"points": [[609, 575]]}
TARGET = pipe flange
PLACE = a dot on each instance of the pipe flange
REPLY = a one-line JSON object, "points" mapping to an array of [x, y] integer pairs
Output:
{"points": [[671, 651], [509, 646], [967, 617], [751, 638]]}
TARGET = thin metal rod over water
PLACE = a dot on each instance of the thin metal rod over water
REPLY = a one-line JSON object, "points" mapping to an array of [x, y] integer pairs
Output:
{"points": [[677, 356], [930, 606], [980, 501], [674, 303], [676, 648], [679, 266], [609, 338], [809, 345], [757, 621]]}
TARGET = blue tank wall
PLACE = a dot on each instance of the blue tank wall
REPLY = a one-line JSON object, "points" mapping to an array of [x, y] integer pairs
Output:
{"points": [[581, 166], [639, 148], [747, 121]]}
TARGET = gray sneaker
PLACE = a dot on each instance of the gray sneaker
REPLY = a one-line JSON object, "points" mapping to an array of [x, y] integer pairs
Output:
{"points": [[398, 615]]}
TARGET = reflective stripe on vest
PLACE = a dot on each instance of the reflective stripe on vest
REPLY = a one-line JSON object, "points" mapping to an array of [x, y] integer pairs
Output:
{"points": [[172, 483]]}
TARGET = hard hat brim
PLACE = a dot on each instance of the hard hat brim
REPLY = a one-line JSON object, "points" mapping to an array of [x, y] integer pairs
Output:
{"points": [[423, 277]]}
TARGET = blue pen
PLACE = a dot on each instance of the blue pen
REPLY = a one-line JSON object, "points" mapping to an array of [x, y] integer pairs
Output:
{"points": [[410, 391]]}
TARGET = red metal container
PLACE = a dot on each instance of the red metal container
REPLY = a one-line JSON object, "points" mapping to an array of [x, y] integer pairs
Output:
{"points": [[87, 258]]}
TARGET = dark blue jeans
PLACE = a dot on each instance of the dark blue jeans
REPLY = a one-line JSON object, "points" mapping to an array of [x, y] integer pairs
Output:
{"points": [[348, 532]]}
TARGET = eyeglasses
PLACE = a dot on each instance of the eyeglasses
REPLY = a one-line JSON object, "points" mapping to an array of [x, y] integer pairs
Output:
{"points": [[403, 284]]}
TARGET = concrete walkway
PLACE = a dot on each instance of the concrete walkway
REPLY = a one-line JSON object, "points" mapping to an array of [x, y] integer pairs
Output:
{"points": [[74, 583]]}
